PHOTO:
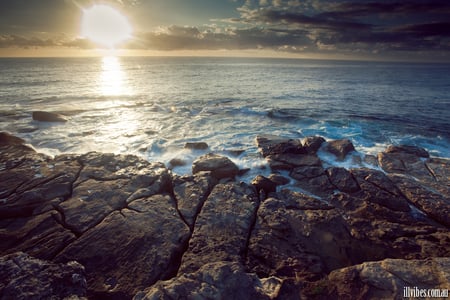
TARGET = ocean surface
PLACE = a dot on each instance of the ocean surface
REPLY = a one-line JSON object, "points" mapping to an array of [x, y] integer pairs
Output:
{"points": [[152, 106]]}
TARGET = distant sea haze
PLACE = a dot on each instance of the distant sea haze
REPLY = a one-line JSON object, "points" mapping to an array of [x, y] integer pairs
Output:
{"points": [[152, 106]]}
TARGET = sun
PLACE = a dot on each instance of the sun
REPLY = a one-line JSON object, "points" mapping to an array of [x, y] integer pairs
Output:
{"points": [[105, 26]]}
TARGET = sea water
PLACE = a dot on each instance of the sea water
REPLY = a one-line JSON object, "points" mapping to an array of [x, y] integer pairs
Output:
{"points": [[152, 106]]}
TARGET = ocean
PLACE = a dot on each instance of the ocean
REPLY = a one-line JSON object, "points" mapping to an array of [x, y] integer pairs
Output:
{"points": [[152, 106]]}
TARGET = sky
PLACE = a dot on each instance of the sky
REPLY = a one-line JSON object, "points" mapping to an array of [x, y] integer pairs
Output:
{"points": [[373, 30]]}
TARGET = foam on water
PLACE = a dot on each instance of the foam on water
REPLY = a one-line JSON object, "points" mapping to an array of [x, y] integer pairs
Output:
{"points": [[226, 103]]}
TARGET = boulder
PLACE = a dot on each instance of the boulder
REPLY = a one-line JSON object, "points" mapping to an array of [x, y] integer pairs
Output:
{"points": [[216, 280], [313, 143], [340, 148], [271, 145], [24, 277], [8, 139], [222, 228], [343, 180], [196, 145], [386, 279], [414, 150], [288, 161], [264, 184], [45, 116], [219, 166]]}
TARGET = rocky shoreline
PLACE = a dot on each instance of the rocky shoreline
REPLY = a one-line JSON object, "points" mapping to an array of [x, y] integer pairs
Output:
{"points": [[104, 226]]}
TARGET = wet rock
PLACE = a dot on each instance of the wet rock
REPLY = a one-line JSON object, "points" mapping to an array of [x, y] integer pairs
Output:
{"points": [[8, 139], [45, 116], [222, 228], [340, 148], [219, 166], [191, 193], [387, 279], [313, 143], [343, 180], [217, 280], [176, 162], [414, 150], [272, 145], [279, 179], [132, 248], [24, 277], [265, 184], [196, 145], [290, 161]]}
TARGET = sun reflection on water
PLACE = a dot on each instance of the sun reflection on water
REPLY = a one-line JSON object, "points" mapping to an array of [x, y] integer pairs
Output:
{"points": [[112, 78]]}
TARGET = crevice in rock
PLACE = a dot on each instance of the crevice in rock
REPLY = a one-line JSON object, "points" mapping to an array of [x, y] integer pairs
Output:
{"points": [[62, 221], [430, 170], [250, 230]]}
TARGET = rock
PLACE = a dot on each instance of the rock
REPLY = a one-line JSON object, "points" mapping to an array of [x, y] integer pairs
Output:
{"points": [[313, 143], [219, 166], [289, 161], [191, 193], [222, 228], [24, 277], [265, 184], [342, 179], [216, 280], [272, 145], [340, 148], [45, 116], [279, 179], [196, 145], [132, 248], [387, 279], [414, 150], [176, 162], [8, 139]]}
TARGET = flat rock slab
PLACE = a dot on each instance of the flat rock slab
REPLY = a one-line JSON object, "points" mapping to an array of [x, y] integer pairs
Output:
{"points": [[222, 228], [45, 116], [131, 249]]}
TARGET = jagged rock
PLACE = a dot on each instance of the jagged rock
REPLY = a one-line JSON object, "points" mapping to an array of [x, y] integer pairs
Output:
{"points": [[340, 148], [216, 280], [190, 193], [45, 116], [219, 166], [313, 143], [24, 277], [196, 145], [343, 180], [132, 248], [387, 279], [222, 228], [265, 184], [272, 145]]}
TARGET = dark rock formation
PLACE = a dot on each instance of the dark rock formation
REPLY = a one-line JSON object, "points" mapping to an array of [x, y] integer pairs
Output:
{"points": [[45, 116], [24, 277], [141, 231], [219, 166], [387, 279], [216, 280], [196, 145], [313, 143], [340, 148]]}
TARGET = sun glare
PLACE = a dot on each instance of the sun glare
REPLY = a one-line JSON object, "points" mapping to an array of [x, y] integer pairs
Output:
{"points": [[105, 26]]}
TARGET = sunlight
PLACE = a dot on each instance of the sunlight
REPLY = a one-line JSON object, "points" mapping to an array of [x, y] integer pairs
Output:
{"points": [[112, 79], [105, 26]]}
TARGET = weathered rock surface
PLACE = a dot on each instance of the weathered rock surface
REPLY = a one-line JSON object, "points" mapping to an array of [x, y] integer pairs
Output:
{"points": [[217, 280], [45, 116], [140, 230], [196, 145], [387, 279], [219, 166], [24, 277], [223, 227]]}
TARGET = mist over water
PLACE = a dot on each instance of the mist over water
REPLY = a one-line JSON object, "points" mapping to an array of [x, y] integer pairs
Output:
{"points": [[153, 106]]}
